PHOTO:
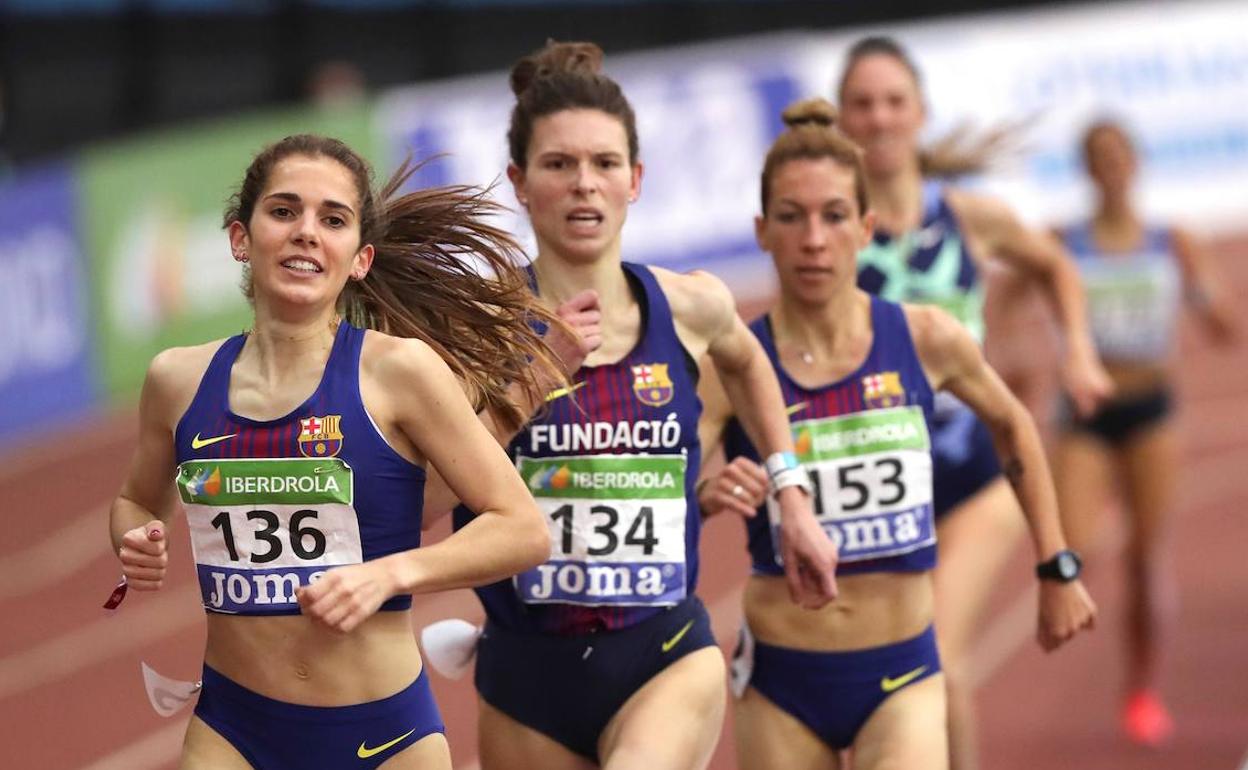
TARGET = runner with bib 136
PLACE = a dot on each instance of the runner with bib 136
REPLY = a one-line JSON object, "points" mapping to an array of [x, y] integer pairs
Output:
{"points": [[858, 374], [300, 450]]}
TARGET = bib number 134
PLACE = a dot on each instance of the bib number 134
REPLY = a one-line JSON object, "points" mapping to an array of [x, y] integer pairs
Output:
{"points": [[599, 527]]}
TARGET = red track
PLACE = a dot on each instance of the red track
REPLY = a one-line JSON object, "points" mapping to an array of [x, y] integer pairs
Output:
{"points": [[71, 694]]}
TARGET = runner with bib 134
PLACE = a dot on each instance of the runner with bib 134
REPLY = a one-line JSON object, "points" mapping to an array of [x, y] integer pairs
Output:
{"points": [[603, 655]]}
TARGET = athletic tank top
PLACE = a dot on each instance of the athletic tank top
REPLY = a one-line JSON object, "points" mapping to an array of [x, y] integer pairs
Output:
{"points": [[1133, 297], [611, 464], [271, 505], [866, 441], [929, 266]]}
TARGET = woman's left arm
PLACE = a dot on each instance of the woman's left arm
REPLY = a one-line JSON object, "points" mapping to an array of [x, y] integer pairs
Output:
{"points": [[703, 304], [1001, 234], [1202, 289], [954, 362]]}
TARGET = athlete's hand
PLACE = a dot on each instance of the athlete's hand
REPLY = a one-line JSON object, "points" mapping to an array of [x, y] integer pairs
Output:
{"points": [[809, 555], [740, 487], [1084, 378], [584, 315], [344, 597], [1065, 610], [144, 556]]}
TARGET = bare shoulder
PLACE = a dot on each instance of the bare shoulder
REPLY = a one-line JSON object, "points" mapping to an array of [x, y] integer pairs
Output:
{"points": [[398, 362], [698, 299], [944, 346], [976, 210], [173, 377]]}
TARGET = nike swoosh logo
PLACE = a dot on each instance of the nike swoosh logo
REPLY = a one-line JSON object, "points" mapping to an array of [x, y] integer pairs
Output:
{"points": [[891, 685], [795, 408], [561, 392], [200, 443], [675, 640], [363, 752]]}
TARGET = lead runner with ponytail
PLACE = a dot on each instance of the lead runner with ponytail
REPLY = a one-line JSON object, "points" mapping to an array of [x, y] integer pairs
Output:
{"points": [[300, 450], [603, 655]]}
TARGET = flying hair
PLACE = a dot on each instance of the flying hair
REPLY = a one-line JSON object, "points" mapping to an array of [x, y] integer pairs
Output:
{"points": [[441, 273]]}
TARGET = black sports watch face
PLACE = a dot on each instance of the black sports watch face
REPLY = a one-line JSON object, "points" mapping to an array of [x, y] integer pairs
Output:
{"points": [[1067, 565]]}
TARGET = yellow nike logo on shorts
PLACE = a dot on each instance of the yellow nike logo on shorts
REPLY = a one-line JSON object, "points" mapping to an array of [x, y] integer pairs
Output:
{"points": [[561, 392], [675, 640], [200, 443], [892, 685], [364, 752]]}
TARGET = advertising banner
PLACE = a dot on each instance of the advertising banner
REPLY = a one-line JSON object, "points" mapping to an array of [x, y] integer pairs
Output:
{"points": [[45, 353], [162, 272]]}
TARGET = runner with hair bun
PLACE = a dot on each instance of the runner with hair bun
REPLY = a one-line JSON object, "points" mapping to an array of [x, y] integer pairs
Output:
{"points": [[603, 656], [858, 374]]}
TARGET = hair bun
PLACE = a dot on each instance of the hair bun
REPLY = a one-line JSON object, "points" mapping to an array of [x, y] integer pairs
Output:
{"points": [[817, 112], [555, 58]]}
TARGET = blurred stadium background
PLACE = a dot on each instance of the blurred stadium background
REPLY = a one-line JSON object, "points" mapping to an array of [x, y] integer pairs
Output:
{"points": [[124, 124]]}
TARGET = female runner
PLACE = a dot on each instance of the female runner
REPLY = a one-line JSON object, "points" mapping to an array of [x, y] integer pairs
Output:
{"points": [[300, 450], [930, 246], [1137, 277], [603, 656], [858, 374]]}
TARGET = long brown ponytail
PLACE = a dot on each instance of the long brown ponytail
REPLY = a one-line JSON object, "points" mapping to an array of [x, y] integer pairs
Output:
{"points": [[441, 274]]}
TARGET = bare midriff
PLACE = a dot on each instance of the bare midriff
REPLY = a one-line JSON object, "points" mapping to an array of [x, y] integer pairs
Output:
{"points": [[290, 658], [870, 610]]}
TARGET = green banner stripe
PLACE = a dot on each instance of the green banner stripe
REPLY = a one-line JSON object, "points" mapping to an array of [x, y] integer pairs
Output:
{"points": [[277, 482], [606, 478], [832, 438]]}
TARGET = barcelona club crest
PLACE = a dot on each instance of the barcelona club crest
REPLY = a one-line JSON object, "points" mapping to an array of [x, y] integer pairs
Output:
{"points": [[652, 385], [320, 436], [883, 390]]}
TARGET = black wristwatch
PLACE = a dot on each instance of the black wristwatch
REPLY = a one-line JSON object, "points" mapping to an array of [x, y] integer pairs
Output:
{"points": [[1063, 567]]}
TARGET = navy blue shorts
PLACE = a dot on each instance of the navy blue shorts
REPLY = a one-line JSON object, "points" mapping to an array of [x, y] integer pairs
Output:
{"points": [[569, 687], [275, 735], [833, 693], [1120, 420], [964, 460]]}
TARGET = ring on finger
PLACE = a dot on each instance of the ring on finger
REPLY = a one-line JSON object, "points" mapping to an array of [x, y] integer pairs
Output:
{"points": [[738, 491]]}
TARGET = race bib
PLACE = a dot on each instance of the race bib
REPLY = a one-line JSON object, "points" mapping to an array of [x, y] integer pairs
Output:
{"points": [[872, 477], [1132, 308], [617, 529], [261, 528]]}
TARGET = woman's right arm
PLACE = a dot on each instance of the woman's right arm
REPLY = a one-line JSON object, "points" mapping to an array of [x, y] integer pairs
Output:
{"points": [[147, 499]]}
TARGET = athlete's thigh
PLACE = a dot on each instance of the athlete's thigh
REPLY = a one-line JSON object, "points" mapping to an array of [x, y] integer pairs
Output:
{"points": [[505, 744], [673, 722], [770, 738], [1083, 471], [907, 731], [975, 541], [429, 753], [1149, 471], [204, 748]]}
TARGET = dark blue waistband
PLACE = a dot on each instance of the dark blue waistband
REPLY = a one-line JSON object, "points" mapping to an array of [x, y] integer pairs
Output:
{"points": [[223, 687]]}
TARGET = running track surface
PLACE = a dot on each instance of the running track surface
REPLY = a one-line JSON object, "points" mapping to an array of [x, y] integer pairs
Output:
{"points": [[71, 695]]}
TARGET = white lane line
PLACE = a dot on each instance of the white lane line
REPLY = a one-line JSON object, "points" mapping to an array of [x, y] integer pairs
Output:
{"points": [[56, 557], [138, 623], [155, 750]]}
